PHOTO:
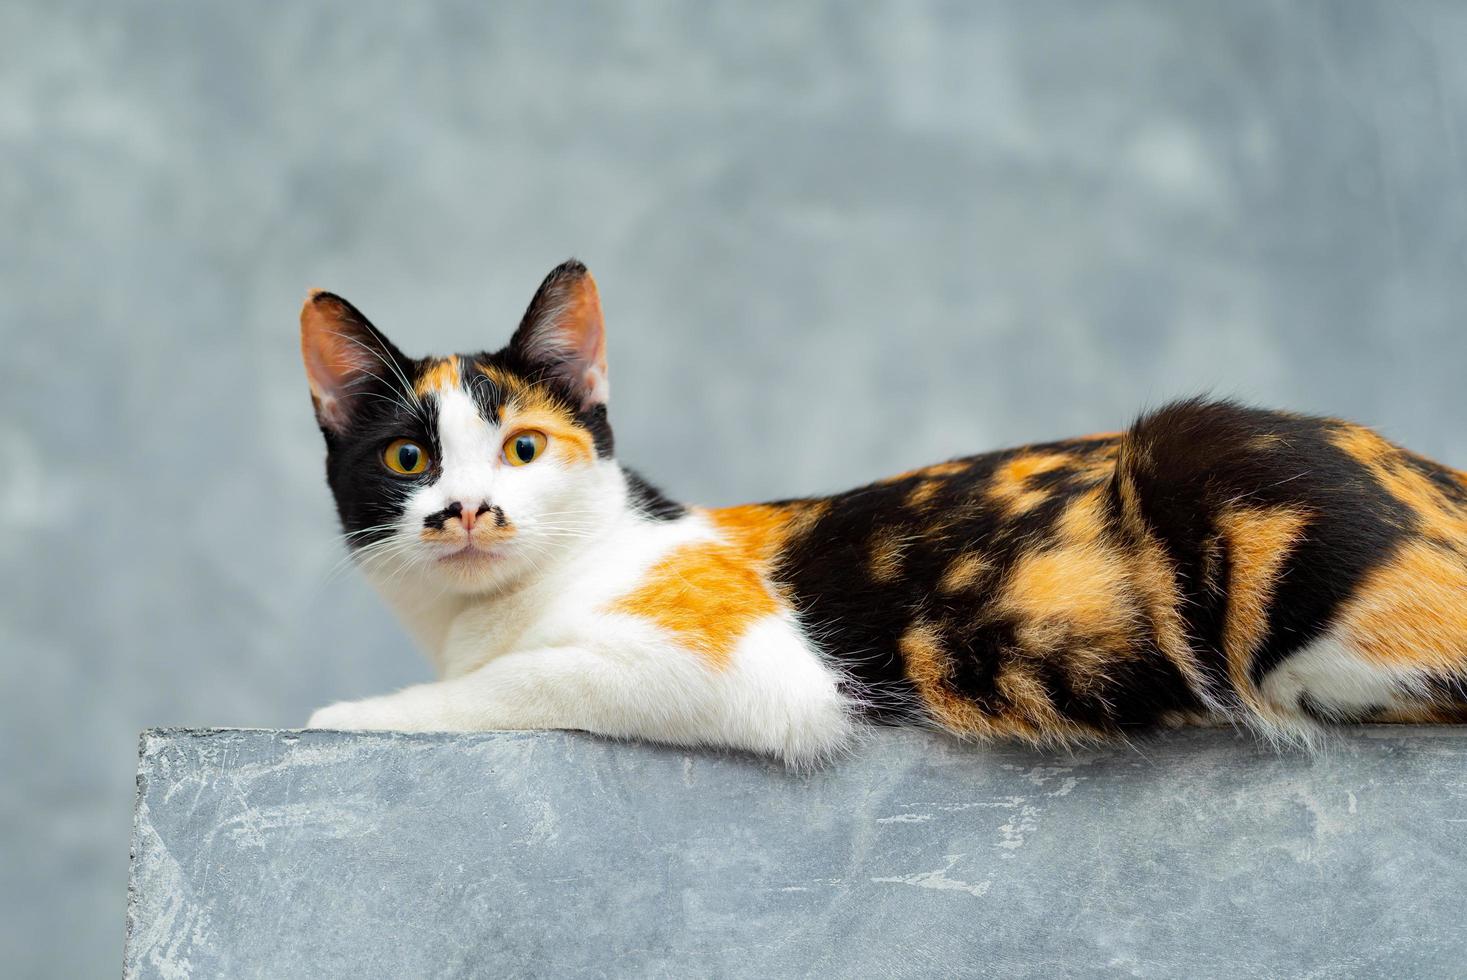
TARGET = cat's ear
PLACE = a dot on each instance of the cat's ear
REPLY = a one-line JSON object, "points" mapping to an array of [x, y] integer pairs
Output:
{"points": [[344, 356], [563, 333]]}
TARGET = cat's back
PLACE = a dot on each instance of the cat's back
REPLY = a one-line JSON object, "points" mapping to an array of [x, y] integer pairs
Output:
{"points": [[1114, 581]]}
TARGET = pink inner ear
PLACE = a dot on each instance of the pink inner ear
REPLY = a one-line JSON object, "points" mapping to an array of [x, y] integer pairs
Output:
{"points": [[573, 333], [587, 326], [333, 356]]}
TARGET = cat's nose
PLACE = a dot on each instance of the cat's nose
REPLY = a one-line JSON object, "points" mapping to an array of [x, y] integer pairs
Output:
{"points": [[468, 513]]}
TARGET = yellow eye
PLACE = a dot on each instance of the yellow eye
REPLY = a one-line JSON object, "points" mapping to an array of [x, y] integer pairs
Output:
{"points": [[523, 448], [405, 457]]}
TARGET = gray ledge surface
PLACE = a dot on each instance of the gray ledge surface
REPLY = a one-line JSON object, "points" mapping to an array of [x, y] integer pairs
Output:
{"points": [[318, 854]]}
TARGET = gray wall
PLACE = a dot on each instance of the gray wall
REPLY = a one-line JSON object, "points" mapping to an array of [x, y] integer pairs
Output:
{"points": [[831, 244]]}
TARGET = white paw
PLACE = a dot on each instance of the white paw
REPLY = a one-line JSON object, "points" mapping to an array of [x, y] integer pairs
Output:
{"points": [[349, 716]]}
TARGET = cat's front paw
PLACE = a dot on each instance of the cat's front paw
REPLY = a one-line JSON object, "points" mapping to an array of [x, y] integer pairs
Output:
{"points": [[355, 716]]}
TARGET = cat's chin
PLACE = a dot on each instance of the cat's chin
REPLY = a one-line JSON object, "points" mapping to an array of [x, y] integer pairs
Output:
{"points": [[477, 570]]}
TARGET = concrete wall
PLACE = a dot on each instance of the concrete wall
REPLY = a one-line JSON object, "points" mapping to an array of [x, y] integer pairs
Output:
{"points": [[832, 245], [268, 854]]}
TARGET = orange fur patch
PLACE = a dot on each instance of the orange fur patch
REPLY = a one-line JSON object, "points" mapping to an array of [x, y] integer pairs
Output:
{"points": [[928, 669], [1084, 518], [1020, 468], [1031, 716], [441, 374], [921, 495], [1154, 579], [1413, 611], [565, 439], [1259, 541], [529, 407], [1010, 487], [964, 572], [760, 531], [1267, 442], [707, 594], [887, 548], [1441, 518], [510, 384], [950, 468], [1084, 586], [485, 532]]}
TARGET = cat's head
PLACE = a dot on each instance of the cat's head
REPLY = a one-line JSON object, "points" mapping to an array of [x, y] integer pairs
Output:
{"points": [[465, 472]]}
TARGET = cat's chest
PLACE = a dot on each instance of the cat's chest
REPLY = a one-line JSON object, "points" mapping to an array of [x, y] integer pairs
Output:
{"points": [[570, 606]]}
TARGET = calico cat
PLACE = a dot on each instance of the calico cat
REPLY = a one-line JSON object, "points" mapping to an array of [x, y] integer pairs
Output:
{"points": [[1211, 563]]}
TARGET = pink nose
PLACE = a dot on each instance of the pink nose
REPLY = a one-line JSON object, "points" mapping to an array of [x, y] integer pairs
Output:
{"points": [[467, 514]]}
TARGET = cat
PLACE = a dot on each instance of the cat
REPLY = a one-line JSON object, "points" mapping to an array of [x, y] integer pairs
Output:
{"points": [[1213, 563]]}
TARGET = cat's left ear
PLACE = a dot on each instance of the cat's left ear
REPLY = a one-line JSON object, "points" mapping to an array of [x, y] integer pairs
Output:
{"points": [[563, 332]]}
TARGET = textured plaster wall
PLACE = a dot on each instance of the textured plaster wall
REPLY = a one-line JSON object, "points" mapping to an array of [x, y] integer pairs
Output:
{"points": [[833, 242]]}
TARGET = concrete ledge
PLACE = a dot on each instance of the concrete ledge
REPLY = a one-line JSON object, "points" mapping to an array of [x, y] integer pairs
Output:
{"points": [[309, 854]]}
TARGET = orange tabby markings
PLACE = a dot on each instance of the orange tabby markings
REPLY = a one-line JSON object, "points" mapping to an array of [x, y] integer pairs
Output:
{"points": [[887, 547], [1140, 575], [1084, 518], [508, 383], [928, 669], [951, 468], [1155, 581], [437, 376], [1413, 612], [1084, 585], [1018, 684], [963, 572], [1153, 575], [707, 594], [921, 495], [1440, 517], [1030, 715], [1259, 541], [1020, 468], [761, 531], [1010, 487]]}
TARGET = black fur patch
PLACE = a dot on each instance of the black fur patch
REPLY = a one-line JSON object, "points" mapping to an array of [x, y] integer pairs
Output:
{"points": [[369, 497], [650, 502]]}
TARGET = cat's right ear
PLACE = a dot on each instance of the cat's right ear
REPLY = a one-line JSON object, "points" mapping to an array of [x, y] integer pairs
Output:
{"points": [[344, 354]]}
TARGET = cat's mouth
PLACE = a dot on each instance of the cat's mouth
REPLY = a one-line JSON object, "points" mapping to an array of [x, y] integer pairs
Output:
{"points": [[470, 555]]}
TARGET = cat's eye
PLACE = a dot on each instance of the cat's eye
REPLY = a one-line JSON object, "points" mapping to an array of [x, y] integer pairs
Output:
{"points": [[523, 448], [405, 457]]}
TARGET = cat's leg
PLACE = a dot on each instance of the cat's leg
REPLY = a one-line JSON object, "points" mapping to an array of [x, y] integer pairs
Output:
{"points": [[773, 697]]}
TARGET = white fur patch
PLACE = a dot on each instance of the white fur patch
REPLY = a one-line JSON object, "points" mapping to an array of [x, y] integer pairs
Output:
{"points": [[1338, 681]]}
